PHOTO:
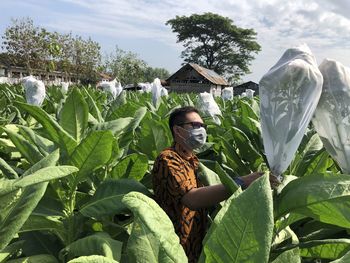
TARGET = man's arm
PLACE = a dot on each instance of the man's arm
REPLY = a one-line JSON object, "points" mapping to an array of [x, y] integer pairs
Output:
{"points": [[205, 196], [211, 195]]}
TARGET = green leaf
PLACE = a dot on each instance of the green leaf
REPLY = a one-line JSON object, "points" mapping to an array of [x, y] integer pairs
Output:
{"points": [[46, 223], [97, 244], [74, 115], [44, 145], [40, 176], [343, 259], [226, 179], [149, 240], [53, 130], [132, 166], [35, 259], [10, 250], [30, 152], [324, 197], [7, 170], [117, 126], [327, 248], [16, 214], [92, 153], [246, 149], [92, 259], [290, 256], [241, 232], [108, 196], [207, 176]]}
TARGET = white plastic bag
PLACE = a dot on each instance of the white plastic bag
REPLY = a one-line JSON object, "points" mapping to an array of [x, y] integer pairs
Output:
{"points": [[164, 92], [145, 87], [110, 87], [332, 115], [34, 89], [227, 93], [118, 88], [249, 93], [208, 107], [156, 91], [289, 94], [64, 87]]}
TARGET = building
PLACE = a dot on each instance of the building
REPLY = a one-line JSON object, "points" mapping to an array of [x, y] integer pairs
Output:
{"points": [[194, 78], [238, 90], [15, 73]]}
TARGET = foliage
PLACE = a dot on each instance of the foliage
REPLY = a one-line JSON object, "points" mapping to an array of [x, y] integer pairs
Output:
{"points": [[76, 184], [215, 42]]}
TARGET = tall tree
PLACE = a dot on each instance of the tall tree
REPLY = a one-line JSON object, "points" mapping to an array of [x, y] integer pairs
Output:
{"points": [[26, 44], [130, 69], [214, 42]]}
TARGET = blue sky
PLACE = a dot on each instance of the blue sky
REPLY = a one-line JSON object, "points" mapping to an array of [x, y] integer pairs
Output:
{"points": [[139, 25]]}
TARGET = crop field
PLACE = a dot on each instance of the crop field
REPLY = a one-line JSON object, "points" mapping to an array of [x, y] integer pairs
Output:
{"points": [[75, 183]]}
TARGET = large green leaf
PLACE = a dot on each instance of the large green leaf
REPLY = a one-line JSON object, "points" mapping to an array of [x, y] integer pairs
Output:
{"points": [[74, 115], [325, 197], [150, 240], [17, 212], [246, 149], [45, 223], [327, 248], [35, 259], [343, 259], [108, 196], [92, 259], [92, 153], [132, 166], [10, 250], [7, 170], [290, 256], [117, 126], [29, 151], [97, 244], [40, 176], [44, 145], [242, 230], [53, 130]]}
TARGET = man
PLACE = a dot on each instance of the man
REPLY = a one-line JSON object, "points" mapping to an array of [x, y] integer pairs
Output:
{"points": [[176, 186]]}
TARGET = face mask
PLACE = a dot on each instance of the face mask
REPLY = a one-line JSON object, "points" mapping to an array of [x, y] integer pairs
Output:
{"points": [[196, 138]]}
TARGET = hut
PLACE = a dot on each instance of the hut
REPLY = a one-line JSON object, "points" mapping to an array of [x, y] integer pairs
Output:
{"points": [[194, 78]]}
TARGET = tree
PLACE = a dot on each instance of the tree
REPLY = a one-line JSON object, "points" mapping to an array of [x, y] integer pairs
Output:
{"points": [[214, 42], [26, 44], [130, 69]]}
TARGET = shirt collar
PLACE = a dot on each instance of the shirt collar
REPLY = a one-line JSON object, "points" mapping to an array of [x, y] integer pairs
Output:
{"points": [[182, 152]]}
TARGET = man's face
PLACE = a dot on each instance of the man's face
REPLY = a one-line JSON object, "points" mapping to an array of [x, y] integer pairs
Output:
{"points": [[181, 134]]}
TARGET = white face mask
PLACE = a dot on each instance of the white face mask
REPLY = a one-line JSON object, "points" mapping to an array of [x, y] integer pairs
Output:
{"points": [[196, 138]]}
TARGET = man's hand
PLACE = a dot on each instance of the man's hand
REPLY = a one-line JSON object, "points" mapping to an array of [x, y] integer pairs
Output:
{"points": [[250, 178]]}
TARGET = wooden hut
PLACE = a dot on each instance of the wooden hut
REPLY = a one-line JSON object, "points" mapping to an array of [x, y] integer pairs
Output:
{"points": [[194, 78]]}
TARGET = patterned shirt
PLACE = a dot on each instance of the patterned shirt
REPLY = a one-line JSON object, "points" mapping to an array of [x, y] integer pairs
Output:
{"points": [[174, 175]]}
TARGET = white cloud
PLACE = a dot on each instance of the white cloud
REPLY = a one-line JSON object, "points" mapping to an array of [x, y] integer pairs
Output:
{"points": [[324, 25]]}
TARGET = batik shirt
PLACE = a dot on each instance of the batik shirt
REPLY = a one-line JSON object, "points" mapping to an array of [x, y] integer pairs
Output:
{"points": [[174, 175]]}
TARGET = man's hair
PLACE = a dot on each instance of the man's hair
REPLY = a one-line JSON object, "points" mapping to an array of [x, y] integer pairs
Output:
{"points": [[178, 116]]}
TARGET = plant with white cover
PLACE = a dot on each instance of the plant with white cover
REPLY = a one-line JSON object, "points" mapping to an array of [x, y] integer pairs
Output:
{"points": [[289, 93], [145, 87], [34, 89], [4, 80], [332, 115], [208, 106], [164, 92], [250, 93], [112, 87], [243, 95], [157, 91], [64, 87], [227, 93]]}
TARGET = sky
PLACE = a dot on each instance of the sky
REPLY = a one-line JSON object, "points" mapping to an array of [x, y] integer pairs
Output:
{"points": [[139, 25]]}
